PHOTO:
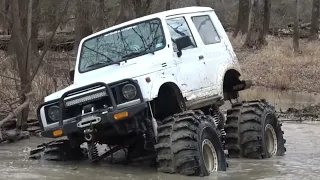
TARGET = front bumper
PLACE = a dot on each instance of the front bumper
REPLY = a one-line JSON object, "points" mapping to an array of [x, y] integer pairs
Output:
{"points": [[106, 115], [107, 118]]}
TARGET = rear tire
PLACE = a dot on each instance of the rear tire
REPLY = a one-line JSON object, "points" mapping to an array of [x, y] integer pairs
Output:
{"points": [[188, 144], [253, 131]]}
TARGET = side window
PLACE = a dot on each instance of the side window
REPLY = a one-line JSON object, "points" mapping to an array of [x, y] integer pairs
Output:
{"points": [[178, 27], [206, 29]]}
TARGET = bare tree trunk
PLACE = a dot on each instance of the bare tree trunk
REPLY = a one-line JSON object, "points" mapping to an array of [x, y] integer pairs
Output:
{"points": [[255, 38], [168, 4], [198, 2], [314, 32], [98, 24], [141, 8], [29, 31], [243, 17], [125, 13], [22, 61], [34, 52], [82, 26], [2, 17], [52, 11], [296, 33], [267, 12]]}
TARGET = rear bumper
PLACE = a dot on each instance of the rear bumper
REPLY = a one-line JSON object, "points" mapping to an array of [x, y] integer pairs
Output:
{"points": [[106, 119]]}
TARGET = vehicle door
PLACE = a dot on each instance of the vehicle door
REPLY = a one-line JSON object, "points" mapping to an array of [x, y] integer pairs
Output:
{"points": [[215, 50], [192, 72]]}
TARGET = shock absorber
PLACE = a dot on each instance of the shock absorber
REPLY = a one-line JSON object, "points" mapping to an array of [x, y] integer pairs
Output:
{"points": [[150, 136], [93, 152], [219, 120], [152, 130]]}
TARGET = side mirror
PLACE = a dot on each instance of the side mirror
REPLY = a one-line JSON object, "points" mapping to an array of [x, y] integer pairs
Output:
{"points": [[71, 75], [182, 43]]}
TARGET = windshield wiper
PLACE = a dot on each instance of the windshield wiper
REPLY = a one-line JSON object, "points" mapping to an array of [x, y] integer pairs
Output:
{"points": [[109, 59], [101, 64]]}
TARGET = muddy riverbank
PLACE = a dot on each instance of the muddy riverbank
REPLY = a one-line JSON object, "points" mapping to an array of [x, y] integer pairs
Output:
{"points": [[300, 162]]}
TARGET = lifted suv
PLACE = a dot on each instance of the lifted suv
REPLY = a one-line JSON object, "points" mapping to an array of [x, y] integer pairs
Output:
{"points": [[153, 86]]}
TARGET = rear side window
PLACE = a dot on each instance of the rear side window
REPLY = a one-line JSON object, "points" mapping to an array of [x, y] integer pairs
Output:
{"points": [[206, 29]]}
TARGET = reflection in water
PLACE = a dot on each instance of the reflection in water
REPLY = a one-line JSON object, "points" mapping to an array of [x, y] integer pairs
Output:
{"points": [[301, 162]]}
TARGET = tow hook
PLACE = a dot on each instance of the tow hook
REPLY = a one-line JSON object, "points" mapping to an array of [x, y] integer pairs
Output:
{"points": [[88, 134]]}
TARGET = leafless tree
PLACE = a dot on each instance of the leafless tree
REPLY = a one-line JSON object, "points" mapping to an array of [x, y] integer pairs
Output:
{"points": [[168, 4], [126, 12], [267, 14], [141, 7], [82, 24], [98, 23], [23, 25], [198, 2], [20, 41], [243, 17], [315, 20], [296, 34], [256, 37], [4, 16]]}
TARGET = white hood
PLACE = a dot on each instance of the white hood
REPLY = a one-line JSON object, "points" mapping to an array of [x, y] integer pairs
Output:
{"points": [[130, 69]]}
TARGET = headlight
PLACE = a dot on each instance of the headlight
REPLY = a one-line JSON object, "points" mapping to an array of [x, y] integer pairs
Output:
{"points": [[129, 91], [54, 113]]}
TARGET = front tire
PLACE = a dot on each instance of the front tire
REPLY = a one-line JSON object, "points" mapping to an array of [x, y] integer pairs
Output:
{"points": [[58, 150], [188, 144], [253, 131]]}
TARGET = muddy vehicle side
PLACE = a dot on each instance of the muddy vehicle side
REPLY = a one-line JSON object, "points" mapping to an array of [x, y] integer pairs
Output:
{"points": [[153, 86]]}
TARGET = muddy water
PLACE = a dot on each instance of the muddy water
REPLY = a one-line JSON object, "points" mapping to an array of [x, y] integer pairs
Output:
{"points": [[301, 162]]}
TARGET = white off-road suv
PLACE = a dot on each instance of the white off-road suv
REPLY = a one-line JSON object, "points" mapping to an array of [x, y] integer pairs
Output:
{"points": [[153, 86]]}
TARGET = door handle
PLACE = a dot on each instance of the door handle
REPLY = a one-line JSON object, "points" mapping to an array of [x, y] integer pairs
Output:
{"points": [[201, 57]]}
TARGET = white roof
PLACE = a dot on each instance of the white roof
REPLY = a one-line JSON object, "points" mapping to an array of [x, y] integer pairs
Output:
{"points": [[183, 10], [162, 14]]}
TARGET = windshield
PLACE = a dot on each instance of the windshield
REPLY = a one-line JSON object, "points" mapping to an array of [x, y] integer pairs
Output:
{"points": [[121, 45]]}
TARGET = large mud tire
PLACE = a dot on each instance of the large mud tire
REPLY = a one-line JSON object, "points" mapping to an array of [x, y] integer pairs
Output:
{"points": [[249, 128], [59, 150], [181, 141]]}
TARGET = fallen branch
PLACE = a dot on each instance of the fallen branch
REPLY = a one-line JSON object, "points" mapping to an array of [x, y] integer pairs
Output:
{"points": [[16, 111]]}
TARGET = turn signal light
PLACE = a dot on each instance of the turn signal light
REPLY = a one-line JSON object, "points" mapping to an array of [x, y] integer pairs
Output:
{"points": [[57, 133], [121, 115]]}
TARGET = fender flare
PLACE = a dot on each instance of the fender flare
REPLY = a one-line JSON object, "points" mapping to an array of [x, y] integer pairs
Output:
{"points": [[156, 85]]}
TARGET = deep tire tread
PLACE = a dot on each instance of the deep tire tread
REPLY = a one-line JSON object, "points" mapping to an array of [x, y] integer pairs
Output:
{"points": [[178, 152], [244, 129]]}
